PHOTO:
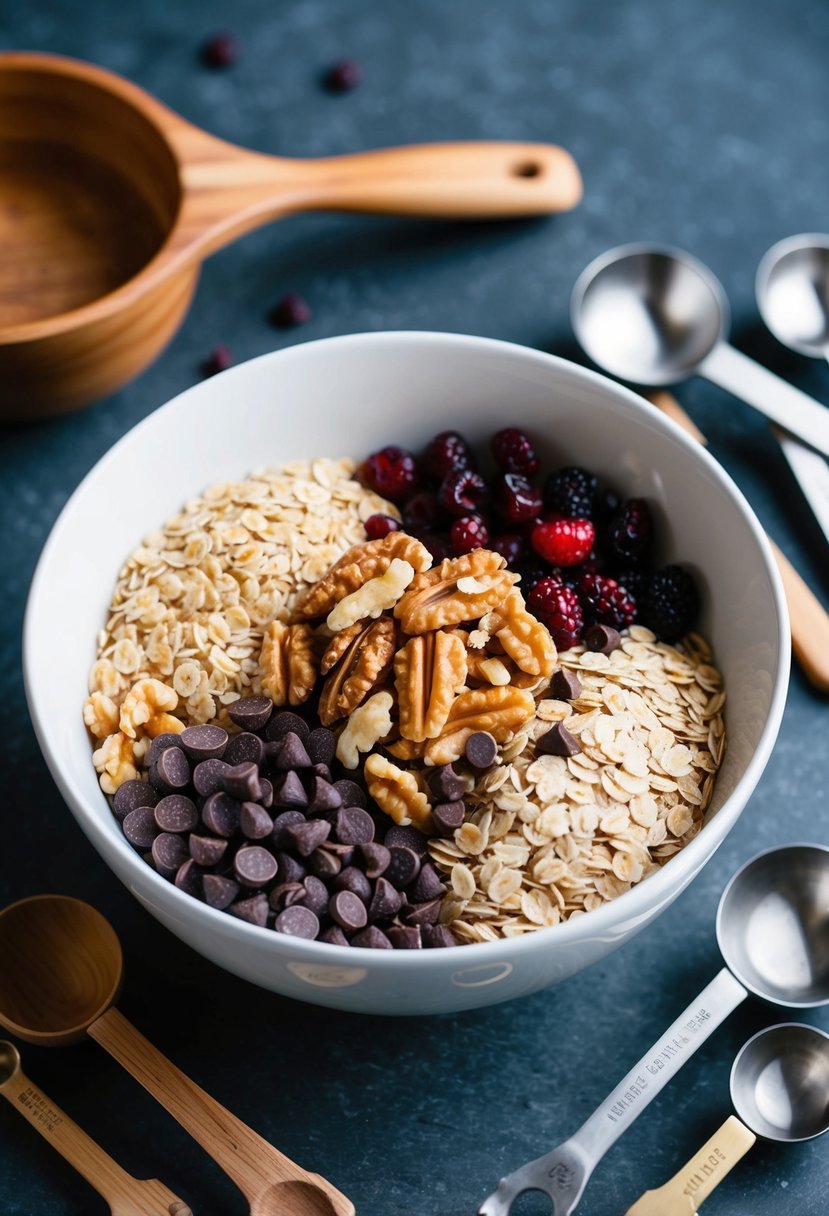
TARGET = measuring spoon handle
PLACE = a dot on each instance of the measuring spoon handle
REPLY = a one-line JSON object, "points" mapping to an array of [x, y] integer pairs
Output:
{"points": [[249, 1160], [658, 1065], [126, 1196], [768, 393]]}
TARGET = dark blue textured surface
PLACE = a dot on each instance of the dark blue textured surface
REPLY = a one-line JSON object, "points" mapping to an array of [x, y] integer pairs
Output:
{"points": [[701, 123]]}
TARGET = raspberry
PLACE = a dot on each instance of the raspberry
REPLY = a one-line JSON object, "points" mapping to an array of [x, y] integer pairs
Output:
{"points": [[513, 452], [629, 535], [421, 512], [671, 604], [378, 526], [606, 603], [468, 533], [571, 492], [391, 473], [517, 501], [511, 546], [563, 542], [462, 491], [559, 609], [447, 451]]}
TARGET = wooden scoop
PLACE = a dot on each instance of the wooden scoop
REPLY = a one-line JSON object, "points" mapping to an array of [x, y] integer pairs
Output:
{"points": [[683, 1194], [60, 971], [109, 201]]}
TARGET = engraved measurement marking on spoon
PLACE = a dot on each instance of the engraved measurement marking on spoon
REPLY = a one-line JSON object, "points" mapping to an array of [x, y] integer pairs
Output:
{"points": [[563, 1176], [669, 1049], [40, 1108], [710, 1166]]}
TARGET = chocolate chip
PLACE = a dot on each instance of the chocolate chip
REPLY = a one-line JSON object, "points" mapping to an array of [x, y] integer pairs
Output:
{"points": [[435, 936], [189, 878], [254, 821], [207, 776], [324, 863], [207, 851], [244, 747], [254, 866], [323, 797], [289, 869], [348, 910], [168, 852], [251, 713], [385, 903], [298, 922], [321, 745], [403, 867], [324, 771], [204, 742], [350, 792], [172, 769], [407, 838], [352, 825], [353, 880], [557, 742], [254, 910], [291, 753], [447, 817], [160, 743], [316, 895], [140, 828], [220, 814], [176, 813], [334, 936], [565, 685], [602, 639], [242, 782], [265, 792], [219, 892], [427, 885], [286, 895], [289, 791], [404, 937], [284, 723], [481, 749], [445, 784], [281, 825], [376, 858], [422, 914], [131, 795], [307, 836], [372, 938]]}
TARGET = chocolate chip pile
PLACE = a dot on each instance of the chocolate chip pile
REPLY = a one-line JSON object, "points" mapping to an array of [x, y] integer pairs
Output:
{"points": [[264, 825]]}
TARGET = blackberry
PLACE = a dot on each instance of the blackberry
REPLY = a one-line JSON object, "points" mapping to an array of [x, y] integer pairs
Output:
{"points": [[635, 581], [671, 604], [571, 491], [605, 602], [630, 532], [559, 609]]}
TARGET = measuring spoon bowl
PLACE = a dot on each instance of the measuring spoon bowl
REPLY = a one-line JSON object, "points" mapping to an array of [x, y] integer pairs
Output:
{"points": [[792, 289], [780, 1082]]}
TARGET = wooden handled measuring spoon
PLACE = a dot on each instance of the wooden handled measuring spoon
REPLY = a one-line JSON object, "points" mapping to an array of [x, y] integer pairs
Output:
{"points": [[126, 1196], [60, 972], [109, 201]]}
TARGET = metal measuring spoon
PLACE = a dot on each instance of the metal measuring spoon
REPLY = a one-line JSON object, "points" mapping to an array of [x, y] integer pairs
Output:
{"points": [[654, 315], [125, 1195], [792, 288], [773, 934], [779, 1086]]}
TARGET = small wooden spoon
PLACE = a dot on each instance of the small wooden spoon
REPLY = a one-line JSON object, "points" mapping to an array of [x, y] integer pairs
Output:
{"points": [[684, 1194], [109, 201], [126, 1196], [60, 972]]}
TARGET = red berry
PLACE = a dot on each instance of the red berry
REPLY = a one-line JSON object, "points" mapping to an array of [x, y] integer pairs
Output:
{"points": [[438, 546], [605, 602], [468, 533], [378, 526], [559, 609], [517, 500], [342, 76], [290, 311], [391, 472], [462, 491], [513, 452], [220, 51], [219, 360], [421, 513], [563, 542], [447, 451], [511, 546]]}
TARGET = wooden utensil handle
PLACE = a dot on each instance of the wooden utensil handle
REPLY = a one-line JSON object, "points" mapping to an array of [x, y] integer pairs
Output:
{"points": [[126, 1196], [691, 1186], [808, 618]]}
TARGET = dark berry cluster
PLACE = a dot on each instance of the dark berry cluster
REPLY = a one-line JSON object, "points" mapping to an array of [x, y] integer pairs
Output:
{"points": [[585, 555]]}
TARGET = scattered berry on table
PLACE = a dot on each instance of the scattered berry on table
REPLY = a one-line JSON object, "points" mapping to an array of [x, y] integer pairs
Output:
{"points": [[631, 530], [378, 526], [342, 76], [516, 499], [563, 542], [571, 491], [220, 50], [391, 473], [448, 450], [219, 360], [605, 602], [462, 491], [468, 533], [559, 608], [421, 512], [290, 311], [671, 604], [514, 452]]}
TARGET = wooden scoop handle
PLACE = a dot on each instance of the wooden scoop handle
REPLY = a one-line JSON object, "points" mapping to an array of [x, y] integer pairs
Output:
{"points": [[809, 619], [690, 1187], [270, 1182], [126, 1196]]}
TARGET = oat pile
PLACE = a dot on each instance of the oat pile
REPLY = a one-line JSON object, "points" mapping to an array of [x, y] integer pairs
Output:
{"points": [[191, 604], [551, 838]]}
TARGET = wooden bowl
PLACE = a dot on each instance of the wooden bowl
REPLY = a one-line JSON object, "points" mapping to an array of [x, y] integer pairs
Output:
{"points": [[109, 201]]}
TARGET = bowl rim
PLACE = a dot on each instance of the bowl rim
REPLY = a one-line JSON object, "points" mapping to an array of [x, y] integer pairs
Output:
{"points": [[630, 907]]}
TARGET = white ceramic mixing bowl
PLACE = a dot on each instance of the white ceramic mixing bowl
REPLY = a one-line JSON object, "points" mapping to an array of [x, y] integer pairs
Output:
{"points": [[349, 396]]}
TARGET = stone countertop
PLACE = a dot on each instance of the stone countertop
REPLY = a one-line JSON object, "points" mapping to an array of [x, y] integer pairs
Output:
{"points": [[703, 124]]}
